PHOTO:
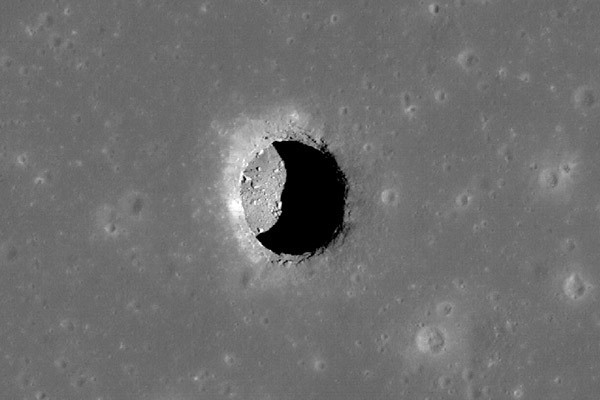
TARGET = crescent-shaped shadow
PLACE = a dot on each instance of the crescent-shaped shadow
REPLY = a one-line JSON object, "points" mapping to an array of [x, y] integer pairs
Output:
{"points": [[313, 201]]}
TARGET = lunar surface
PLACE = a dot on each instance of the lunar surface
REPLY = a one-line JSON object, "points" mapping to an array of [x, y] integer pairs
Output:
{"points": [[297, 199]]}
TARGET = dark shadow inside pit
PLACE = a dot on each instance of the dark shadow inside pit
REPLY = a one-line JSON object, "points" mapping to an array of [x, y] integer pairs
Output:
{"points": [[313, 201]]}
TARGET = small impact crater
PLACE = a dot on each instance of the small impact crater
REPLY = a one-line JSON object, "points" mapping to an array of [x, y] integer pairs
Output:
{"points": [[294, 196], [575, 287], [430, 340], [585, 98]]}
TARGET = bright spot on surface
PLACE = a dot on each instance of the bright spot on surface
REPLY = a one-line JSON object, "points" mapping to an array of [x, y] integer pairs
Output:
{"points": [[430, 340]]}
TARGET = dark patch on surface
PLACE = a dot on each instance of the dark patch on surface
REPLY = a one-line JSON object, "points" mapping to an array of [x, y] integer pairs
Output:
{"points": [[311, 211], [133, 205], [137, 205], [585, 97], [8, 252], [468, 59]]}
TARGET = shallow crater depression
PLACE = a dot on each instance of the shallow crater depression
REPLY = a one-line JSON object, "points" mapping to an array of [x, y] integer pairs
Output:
{"points": [[294, 197]]}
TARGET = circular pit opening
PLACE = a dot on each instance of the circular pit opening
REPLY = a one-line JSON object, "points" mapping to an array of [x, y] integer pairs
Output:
{"points": [[294, 196]]}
